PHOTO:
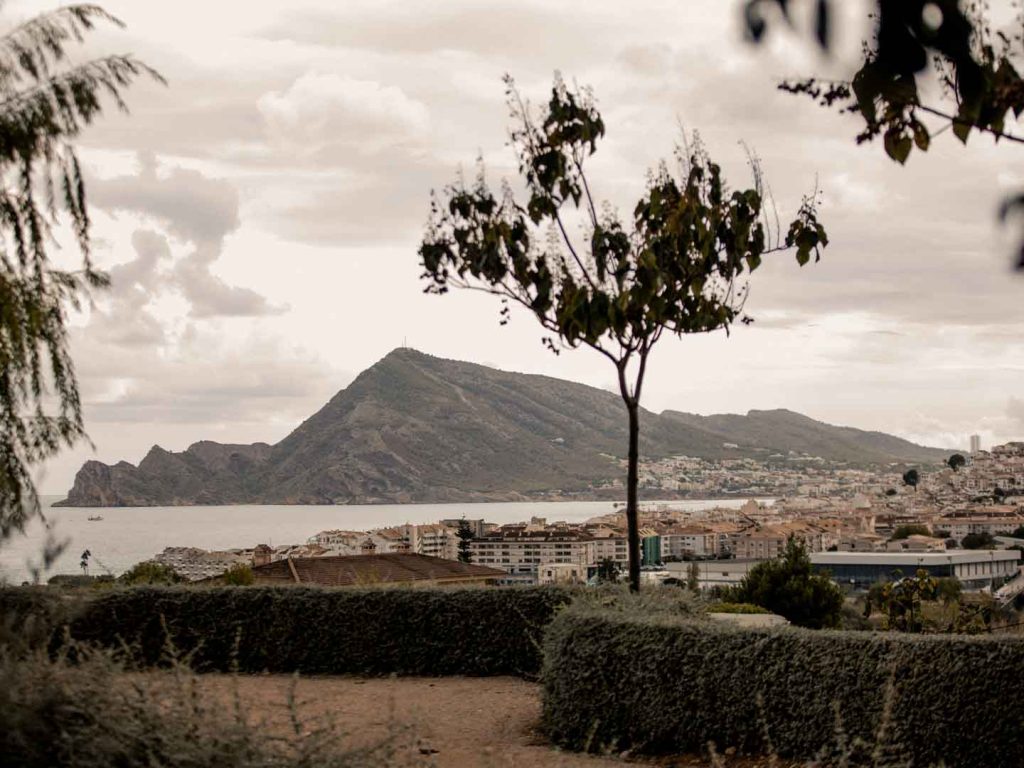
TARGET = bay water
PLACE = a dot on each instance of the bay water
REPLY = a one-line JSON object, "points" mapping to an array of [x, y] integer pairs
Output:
{"points": [[128, 535]]}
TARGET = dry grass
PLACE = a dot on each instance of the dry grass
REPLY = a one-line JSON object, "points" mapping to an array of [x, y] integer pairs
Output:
{"points": [[85, 710]]}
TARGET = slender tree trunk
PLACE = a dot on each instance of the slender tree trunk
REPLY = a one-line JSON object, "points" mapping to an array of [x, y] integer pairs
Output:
{"points": [[632, 480]]}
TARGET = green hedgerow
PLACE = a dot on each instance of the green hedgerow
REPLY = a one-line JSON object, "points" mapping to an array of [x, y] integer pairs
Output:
{"points": [[671, 685], [313, 630]]}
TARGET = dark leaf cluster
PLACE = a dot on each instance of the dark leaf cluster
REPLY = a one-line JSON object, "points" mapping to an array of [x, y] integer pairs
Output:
{"points": [[673, 266], [45, 102], [913, 40]]}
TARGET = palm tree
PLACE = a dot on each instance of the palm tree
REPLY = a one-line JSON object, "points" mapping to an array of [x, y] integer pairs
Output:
{"points": [[45, 102]]}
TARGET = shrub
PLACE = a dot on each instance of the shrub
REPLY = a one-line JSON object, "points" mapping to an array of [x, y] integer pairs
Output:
{"points": [[33, 617], [789, 587], [367, 631], [662, 685], [149, 572], [80, 581], [735, 608], [978, 541], [906, 531], [661, 600], [239, 575], [90, 714]]}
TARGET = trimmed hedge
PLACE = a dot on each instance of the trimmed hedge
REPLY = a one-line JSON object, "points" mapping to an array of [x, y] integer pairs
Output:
{"points": [[34, 617], [327, 631], [667, 686]]}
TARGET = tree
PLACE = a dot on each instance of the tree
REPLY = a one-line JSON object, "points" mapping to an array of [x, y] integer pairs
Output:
{"points": [[675, 267], [978, 541], [608, 571], [901, 601], [150, 572], [1018, 532], [693, 577], [239, 575], [948, 590], [912, 477], [46, 104], [915, 43], [465, 535], [956, 461], [891, 492], [906, 531], [789, 587]]}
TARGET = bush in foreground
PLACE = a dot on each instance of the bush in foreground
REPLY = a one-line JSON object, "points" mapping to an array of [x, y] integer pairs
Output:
{"points": [[663, 685], [92, 714], [365, 631]]}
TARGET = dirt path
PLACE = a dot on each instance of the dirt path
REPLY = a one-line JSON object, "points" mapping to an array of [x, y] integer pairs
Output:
{"points": [[458, 722]]}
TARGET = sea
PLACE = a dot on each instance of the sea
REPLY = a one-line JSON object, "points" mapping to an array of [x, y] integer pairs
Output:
{"points": [[127, 535]]}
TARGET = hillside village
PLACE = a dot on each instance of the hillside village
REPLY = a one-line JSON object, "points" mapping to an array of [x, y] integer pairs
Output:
{"points": [[832, 511]]}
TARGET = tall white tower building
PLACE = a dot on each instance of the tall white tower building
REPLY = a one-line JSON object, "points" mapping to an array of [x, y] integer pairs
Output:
{"points": [[975, 443]]}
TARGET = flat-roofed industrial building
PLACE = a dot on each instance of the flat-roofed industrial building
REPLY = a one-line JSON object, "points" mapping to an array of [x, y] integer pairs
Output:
{"points": [[975, 569]]}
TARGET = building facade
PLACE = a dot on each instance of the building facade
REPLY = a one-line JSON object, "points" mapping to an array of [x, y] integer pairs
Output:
{"points": [[975, 569]]}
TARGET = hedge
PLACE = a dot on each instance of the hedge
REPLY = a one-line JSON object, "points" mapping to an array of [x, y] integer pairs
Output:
{"points": [[658, 685], [34, 617], [321, 631]]}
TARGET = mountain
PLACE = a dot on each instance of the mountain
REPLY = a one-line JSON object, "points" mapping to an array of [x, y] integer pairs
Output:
{"points": [[416, 428]]}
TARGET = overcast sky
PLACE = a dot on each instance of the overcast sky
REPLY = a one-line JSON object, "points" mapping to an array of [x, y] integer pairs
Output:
{"points": [[260, 218]]}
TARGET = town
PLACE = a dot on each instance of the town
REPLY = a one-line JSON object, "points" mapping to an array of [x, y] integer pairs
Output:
{"points": [[964, 520]]}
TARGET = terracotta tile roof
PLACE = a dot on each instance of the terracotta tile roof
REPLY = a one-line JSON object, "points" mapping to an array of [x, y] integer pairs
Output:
{"points": [[358, 570]]}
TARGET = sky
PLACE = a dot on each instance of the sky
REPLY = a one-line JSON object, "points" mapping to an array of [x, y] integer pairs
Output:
{"points": [[260, 216]]}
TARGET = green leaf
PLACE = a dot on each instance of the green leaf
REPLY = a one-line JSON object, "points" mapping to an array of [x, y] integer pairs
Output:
{"points": [[921, 137], [961, 130], [897, 145]]}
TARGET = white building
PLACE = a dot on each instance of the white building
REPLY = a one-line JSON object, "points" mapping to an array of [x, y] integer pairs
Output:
{"points": [[521, 553], [712, 573], [192, 563], [562, 573], [695, 542]]}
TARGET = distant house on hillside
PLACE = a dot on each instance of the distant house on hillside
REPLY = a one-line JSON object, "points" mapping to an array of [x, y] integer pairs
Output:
{"points": [[373, 569]]}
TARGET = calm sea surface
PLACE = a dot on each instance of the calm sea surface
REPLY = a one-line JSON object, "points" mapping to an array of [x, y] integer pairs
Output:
{"points": [[127, 535]]}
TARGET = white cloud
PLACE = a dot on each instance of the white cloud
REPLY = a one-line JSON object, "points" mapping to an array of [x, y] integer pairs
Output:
{"points": [[324, 111], [299, 141], [196, 209]]}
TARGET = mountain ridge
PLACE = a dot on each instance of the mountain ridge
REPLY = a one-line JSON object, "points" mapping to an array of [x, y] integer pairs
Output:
{"points": [[417, 428]]}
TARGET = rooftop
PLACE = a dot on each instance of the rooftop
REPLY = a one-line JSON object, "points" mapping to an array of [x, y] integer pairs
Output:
{"points": [[915, 558], [367, 570]]}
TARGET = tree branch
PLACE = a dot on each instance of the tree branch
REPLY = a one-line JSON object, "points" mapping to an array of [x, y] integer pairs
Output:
{"points": [[572, 250], [954, 120], [586, 191]]}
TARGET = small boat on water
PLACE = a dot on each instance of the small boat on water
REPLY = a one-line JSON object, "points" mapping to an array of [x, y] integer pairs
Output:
{"points": [[94, 518]]}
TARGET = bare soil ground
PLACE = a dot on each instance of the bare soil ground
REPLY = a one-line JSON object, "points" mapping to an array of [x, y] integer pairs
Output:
{"points": [[453, 722]]}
